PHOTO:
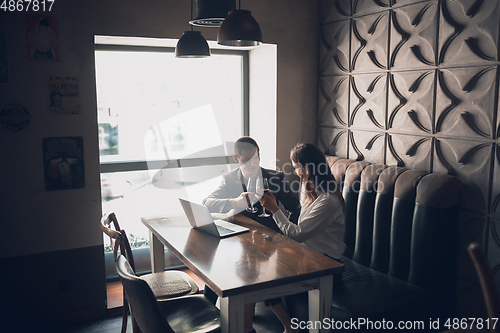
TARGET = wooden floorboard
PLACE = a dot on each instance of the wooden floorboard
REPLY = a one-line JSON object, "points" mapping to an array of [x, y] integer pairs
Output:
{"points": [[114, 290]]}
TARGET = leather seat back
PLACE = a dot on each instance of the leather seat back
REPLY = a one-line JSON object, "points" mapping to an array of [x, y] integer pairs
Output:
{"points": [[400, 222], [350, 191], [365, 217], [382, 218], [434, 235], [403, 209]]}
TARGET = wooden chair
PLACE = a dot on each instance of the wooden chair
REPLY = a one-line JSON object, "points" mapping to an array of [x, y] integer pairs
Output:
{"points": [[164, 285], [488, 288], [487, 283], [193, 313]]}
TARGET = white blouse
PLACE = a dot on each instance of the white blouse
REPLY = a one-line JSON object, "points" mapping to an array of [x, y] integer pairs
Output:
{"points": [[321, 226]]}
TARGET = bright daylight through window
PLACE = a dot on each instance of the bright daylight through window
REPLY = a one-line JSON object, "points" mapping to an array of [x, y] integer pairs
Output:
{"points": [[166, 130]]}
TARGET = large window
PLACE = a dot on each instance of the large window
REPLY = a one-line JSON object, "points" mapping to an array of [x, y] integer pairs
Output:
{"points": [[166, 130]]}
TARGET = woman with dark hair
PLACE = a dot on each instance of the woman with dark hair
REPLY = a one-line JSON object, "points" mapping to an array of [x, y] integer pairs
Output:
{"points": [[321, 220]]}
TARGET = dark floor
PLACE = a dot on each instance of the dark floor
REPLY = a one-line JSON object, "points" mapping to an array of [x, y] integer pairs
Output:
{"points": [[264, 322]]}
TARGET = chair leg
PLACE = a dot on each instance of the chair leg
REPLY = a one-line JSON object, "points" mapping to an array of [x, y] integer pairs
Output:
{"points": [[125, 314], [135, 326], [126, 311]]}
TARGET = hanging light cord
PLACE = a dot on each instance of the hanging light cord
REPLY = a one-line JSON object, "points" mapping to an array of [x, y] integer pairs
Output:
{"points": [[191, 15]]}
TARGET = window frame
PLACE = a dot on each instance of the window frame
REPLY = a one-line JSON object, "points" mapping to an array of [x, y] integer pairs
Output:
{"points": [[110, 167], [143, 165]]}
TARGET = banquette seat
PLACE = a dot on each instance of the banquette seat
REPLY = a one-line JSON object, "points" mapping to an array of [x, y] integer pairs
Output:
{"points": [[401, 226]]}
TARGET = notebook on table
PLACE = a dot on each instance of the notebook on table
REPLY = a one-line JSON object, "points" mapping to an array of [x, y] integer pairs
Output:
{"points": [[199, 217]]}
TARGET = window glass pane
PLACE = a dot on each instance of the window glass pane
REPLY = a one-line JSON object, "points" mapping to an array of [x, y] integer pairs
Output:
{"points": [[138, 91], [154, 108], [187, 134]]}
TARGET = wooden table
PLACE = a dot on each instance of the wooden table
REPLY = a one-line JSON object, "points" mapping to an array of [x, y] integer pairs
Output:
{"points": [[246, 268]]}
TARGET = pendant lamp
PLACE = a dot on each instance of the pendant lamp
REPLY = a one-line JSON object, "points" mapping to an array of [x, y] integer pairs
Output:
{"points": [[239, 29], [192, 44], [211, 13]]}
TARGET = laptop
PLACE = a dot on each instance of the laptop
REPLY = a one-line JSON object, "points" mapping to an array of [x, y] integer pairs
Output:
{"points": [[199, 217]]}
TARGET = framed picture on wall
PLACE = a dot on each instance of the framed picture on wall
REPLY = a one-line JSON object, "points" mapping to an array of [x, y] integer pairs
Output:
{"points": [[63, 163], [42, 38], [3, 59], [63, 95]]}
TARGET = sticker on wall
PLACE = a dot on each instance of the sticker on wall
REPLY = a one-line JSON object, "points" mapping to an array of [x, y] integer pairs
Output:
{"points": [[42, 38], [63, 163], [3, 59], [64, 95], [14, 117]]}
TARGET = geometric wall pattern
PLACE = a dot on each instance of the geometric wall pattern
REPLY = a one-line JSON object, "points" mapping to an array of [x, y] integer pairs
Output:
{"points": [[415, 84]]}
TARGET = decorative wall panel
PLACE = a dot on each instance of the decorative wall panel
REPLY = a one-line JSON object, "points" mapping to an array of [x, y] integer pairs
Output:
{"points": [[368, 101], [335, 141], [411, 96], [410, 151], [334, 50], [415, 83], [369, 42], [413, 36], [367, 146], [334, 101], [399, 3], [333, 10], [468, 32], [362, 7], [470, 161], [465, 101]]}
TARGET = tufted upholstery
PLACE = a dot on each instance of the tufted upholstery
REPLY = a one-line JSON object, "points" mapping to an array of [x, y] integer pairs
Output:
{"points": [[400, 223], [401, 242]]}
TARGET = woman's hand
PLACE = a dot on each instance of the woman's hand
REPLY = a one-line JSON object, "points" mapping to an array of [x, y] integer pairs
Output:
{"points": [[269, 202]]}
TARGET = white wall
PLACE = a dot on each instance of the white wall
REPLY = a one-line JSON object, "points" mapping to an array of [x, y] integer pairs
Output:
{"points": [[263, 91]]}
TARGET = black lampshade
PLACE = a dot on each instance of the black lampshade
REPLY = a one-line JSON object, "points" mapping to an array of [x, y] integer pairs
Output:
{"points": [[211, 13], [239, 29], [192, 45]]}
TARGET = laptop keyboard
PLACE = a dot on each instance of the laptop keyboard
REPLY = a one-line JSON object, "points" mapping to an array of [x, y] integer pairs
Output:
{"points": [[223, 230]]}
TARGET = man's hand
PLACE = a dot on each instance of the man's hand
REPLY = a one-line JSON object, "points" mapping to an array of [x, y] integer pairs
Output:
{"points": [[243, 200]]}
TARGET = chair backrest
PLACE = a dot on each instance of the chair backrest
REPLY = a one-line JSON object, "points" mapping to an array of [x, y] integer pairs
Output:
{"points": [[401, 222], [118, 237], [145, 307], [487, 283]]}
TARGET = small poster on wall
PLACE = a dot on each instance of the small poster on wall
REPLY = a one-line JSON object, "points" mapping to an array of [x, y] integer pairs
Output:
{"points": [[42, 38], [14, 117], [63, 163], [64, 95], [3, 59]]}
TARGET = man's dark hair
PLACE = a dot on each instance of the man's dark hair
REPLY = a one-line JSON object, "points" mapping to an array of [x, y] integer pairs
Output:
{"points": [[244, 143]]}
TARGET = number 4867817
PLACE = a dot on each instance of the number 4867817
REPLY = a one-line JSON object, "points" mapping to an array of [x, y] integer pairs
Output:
{"points": [[27, 5], [471, 323]]}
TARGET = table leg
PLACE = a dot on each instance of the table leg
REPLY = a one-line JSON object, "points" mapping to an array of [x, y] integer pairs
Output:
{"points": [[320, 302], [232, 314], [157, 253]]}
